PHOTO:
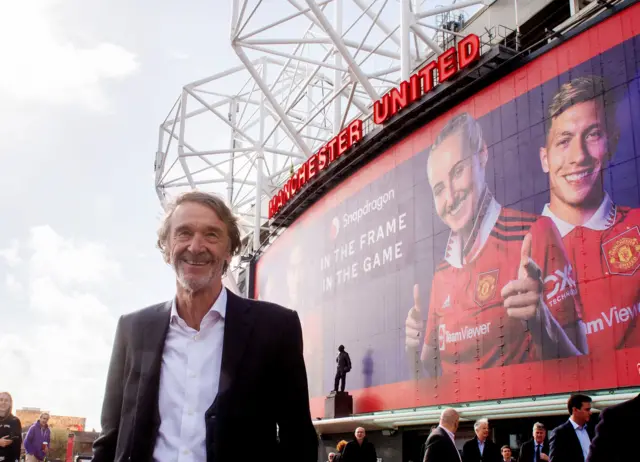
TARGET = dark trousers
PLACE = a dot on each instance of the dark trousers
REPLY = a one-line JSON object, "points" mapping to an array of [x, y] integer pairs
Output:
{"points": [[340, 376]]}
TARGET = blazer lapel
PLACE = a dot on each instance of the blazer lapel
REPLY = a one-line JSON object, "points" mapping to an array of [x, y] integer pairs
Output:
{"points": [[154, 333], [237, 330]]}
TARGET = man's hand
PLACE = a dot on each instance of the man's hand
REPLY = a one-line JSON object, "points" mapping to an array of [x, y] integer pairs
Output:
{"points": [[5, 441], [543, 456], [523, 297], [414, 324]]}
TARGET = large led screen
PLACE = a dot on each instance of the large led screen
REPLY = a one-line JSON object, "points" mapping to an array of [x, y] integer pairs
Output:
{"points": [[494, 253]]}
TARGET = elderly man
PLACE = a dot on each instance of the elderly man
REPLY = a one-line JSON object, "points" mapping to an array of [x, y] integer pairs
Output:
{"points": [[441, 443], [360, 449], [187, 376], [481, 448], [536, 449]]}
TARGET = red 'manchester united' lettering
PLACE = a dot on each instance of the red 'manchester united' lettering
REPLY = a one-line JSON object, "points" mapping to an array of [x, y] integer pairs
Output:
{"points": [[422, 82], [335, 148]]}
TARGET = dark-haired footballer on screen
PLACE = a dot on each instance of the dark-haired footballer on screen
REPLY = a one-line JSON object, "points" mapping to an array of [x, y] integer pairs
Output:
{"points": [[487, 304], [602, 239]]}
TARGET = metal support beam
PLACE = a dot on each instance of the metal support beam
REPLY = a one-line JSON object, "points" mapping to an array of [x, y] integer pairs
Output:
{"points": [[342, 49]]}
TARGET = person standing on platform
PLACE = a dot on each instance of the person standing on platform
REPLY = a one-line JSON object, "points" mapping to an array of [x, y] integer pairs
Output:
{"points": [[481, 448], [360, 449], [615, 432], [571, 440], [441, 443], [536, 449], [344, 366]]}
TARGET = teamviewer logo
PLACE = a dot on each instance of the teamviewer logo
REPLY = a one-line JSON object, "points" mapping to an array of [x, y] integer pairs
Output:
{"points": [[442, 337], [335, 227]]}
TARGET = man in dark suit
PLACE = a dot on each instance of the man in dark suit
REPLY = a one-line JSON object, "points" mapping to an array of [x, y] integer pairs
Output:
{"points": [[441, 446], [570, 441], [189, 378], [615, 432], [536, 449], [481, 448]]}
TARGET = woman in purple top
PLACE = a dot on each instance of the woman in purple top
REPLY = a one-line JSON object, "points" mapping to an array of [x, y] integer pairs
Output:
{"points": [[37, 435]]}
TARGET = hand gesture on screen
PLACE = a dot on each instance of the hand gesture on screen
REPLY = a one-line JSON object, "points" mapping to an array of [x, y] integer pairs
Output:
{"points": [[414, 326], [523, 297]]}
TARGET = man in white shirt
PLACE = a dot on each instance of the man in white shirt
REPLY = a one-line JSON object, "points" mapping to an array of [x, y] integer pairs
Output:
{"points": [[188, 376], [571, 440]]}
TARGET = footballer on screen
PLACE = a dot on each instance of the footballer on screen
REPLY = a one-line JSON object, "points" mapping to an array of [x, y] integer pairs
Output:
{"points": [[602, 239], [488, 297]]}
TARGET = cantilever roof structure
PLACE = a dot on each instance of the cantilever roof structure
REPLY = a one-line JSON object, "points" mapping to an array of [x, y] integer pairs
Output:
{"points": [[307, 68]]}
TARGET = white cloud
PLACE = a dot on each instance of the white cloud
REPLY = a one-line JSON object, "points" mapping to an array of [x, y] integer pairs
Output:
{"points": [[67, 261], [13, 285], [11, 254], [58, 353], [46, 67]]}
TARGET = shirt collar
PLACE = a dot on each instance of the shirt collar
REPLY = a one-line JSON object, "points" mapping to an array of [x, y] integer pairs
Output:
{"points": [[603, 219], [457, 253], [453, 437], [220, 306], [575, 425]]}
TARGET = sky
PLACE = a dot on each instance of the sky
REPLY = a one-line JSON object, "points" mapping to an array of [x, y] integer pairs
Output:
{"points": [[84, 86]]}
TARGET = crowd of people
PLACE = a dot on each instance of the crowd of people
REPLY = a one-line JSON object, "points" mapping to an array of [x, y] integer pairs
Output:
{"points": [[572, 441]]}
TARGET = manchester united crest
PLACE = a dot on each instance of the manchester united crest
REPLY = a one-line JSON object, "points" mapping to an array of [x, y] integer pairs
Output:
{"points": [[486, 286], [622, 253]]}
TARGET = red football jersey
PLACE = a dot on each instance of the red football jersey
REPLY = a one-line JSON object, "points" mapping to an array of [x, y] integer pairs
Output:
{"points": [[467, 319], [605, 255]]}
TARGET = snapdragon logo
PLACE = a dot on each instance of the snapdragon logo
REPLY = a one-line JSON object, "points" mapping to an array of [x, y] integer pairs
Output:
{"points": [[464, 333], [370, 206]]}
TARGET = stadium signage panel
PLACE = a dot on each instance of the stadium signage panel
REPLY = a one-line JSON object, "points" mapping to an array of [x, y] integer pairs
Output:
{"points": [[448, 64]]}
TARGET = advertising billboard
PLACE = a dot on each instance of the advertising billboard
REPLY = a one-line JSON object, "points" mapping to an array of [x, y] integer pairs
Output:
{"points": [[494, 253]]}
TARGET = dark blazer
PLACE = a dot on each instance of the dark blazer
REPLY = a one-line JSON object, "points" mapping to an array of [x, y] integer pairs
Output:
{"points": [[440, 448], [354, 452], [263, 383], [615, 433], [564, 445], [471, 452], [528, 450]]}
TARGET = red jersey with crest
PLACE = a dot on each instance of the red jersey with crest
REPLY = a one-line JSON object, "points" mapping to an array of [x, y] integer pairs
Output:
{"points": [[467, 320], [605, 255]]}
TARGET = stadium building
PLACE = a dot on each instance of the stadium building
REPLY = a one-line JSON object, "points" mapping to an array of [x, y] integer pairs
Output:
{"points": [[400, 169]]}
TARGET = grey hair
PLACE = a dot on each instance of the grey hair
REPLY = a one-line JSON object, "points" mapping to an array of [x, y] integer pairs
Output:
{"points": [[211, 201], [538, 426], [480, 422]]}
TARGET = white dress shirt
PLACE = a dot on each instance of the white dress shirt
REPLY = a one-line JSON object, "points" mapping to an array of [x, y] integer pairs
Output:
{"points": [[583, 437], [189, 380]]}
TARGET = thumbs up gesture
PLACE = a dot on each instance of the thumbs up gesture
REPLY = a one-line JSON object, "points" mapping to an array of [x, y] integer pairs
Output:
{"points": [[523, 297], [414, 325]]}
